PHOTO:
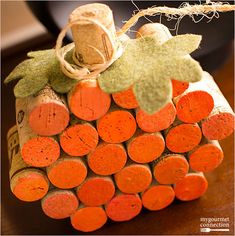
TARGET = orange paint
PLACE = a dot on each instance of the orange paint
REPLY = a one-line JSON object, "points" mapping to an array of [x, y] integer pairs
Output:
{"points": [[116, 126], [29, 185], [59, 204], [133, 178], [67, 172], [87, 219], [79, 139], [158, 121], [40, 151], [124, 207], [96, 191], [145, 147], [178, 87], [87, 101], [183, 137], [125, 99], [191, 187], [206, 157], [170, 168], [158, 197], [107, 158]]}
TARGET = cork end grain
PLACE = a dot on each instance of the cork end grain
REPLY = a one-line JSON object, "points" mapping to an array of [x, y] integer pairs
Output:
{"points": [[124, 207], [59, 204], [96, 191], [40, 151], [107, 158], [79, 139], [158, 121], [170, 169], [67, 172], [191, 187], [158, 197], [87, 219], [29, 185]]}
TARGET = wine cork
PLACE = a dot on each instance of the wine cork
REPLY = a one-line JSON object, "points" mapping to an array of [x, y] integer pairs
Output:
{"points": [[96, 190], [87, 219], [157, 197], [38, 151], [59, 204], [206, 157], [79, 139], [27, 184], [67, 172], [125, 99], [123, 207], [170, 168], [107, 158], [191, 187], [87, 101], [90, 38], [161, 32], [178, 87], [48, 113], [145, 147], [195, 103], [117, 126], [181, 137], [160, 120], [133, 178], [220, 122]]}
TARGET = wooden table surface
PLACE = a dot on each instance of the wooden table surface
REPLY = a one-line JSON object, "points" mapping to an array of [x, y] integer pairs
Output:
{"points": [[181, 218]]}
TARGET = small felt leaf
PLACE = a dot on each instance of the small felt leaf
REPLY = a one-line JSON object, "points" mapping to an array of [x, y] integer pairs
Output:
{"points": [[42, 53], [28, 86], [152, 92], [180, 45], [18, 72], [182, 69]]}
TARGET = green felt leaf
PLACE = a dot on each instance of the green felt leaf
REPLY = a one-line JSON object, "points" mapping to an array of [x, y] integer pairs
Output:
{"points": [[180, 45], [42, 53], [152, 92], [134, 62], [182, 69], [28, 86]]}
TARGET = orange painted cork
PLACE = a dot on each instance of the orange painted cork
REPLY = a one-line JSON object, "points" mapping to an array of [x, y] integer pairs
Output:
{"points": [[125, 99], [133, 178], [116, 126], [59, 204], [170, 168], [96, 190], [178, 87], [87, 219], [157, 197], [195, 104], [191, 187], [67, 172], [182, 137], [220, 122], [107, 158], [145, 147], [27, 184], [48, 113], [79, 139], [123, 207], [158, 121], [36, 150], [87, 101], [206, 157]]}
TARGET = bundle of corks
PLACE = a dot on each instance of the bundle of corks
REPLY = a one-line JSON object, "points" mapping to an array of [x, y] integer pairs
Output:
{"points": [[90, 155]]}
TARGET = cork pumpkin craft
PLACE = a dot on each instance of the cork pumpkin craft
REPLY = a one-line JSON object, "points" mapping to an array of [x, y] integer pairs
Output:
{"points": [[108, 125]]}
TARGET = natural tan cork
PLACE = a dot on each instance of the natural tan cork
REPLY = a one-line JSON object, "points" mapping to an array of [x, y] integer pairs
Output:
{"points": [[90, 39]]}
